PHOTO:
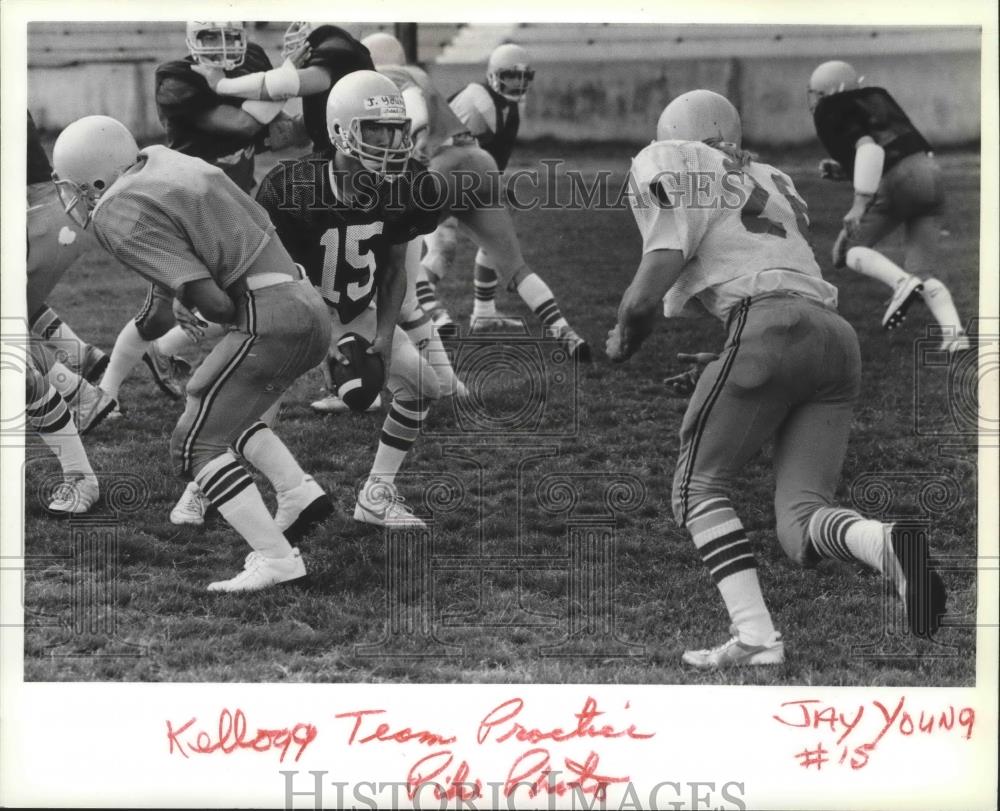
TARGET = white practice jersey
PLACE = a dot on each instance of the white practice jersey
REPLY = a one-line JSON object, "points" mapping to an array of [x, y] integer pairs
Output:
{"points": [[742, 229]]}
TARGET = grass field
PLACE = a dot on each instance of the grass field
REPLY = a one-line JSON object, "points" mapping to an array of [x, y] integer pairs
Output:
{"points": [[495, 625]]}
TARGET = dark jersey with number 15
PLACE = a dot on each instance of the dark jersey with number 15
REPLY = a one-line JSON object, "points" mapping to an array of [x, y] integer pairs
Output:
{"points": [[340, 245]]}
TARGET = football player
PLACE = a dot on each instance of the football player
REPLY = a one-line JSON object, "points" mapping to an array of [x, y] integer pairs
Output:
{"points": [[345, 214], [452, 154], [490, 111], [48, 415], [226, 133], [327, 52], [873, 143], [54, 243], [790, 369], [187, 227]]}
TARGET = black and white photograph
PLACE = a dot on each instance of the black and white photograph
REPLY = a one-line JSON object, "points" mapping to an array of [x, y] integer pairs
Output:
{"points": [[639, 355]]}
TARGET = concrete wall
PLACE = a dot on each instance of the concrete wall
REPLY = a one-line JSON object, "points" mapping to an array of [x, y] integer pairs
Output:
{"points": [[621, 101], [596, 90]]}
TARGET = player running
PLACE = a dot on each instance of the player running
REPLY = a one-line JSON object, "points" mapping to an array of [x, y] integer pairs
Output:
{"points": [[490, 111], [185, 226], [790, 369], [345, 214], [453, 155], [872, 142]]}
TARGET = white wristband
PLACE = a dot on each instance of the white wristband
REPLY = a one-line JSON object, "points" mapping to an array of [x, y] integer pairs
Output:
{"points": [[250, 86], [869, 158], [263, 111], [282, 83]]}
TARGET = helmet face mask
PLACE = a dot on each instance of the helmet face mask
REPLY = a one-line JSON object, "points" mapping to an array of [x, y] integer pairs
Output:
{"points": [[366, 120], [509, 72], [78, 201], [512, 83], [382, 147], [88, 157], [220, 45], [295, 38]]}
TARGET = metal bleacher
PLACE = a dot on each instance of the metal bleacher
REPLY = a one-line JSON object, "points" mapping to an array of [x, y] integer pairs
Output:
{"points": [[65, 44], [582, 42]]}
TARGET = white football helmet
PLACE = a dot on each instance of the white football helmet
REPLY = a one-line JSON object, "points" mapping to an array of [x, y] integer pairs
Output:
{"points": [[217, 44], [831, 78], [88, 157], [385, 49], [700, 115], [295, 36], [509, 72], [366, 119]]}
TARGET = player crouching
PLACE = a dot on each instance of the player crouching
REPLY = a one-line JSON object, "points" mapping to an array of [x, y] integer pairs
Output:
{"points": [[346, 214], [185, 226], [790, 370]]}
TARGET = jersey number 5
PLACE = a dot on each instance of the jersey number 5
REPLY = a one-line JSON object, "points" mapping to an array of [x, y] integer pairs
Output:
{"points": [[354, 235]]}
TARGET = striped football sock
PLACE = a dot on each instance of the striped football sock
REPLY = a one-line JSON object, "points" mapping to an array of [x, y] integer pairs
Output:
{"points": [[846, 535], [539, 298], [67, 382], [260, 446], [399, 432], [418, 325], [485, 288], [723, 545], [232, 492], [50, 417], [427, 291], [47, 324]]}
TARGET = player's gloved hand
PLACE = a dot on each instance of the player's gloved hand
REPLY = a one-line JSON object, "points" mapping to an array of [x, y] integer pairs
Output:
{"points": [[382, 346], [212, 75], [683, 385], [282, 132], [830, 169], [194, 325], [852, 219]]}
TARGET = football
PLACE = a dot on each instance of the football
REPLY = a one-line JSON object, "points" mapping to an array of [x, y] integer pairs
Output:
{"points": [[360, 380]]}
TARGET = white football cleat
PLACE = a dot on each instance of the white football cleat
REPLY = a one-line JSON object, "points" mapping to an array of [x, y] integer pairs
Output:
{"points": [[905, 294], [575, 345], [90, 406], [734, 653], [380, 504], [93, 364], [191, 508], [260, 572], [497, 322], [168, 371], [446, 328], [75, 496], [956, 344], [301, 508], [332, 404]]}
